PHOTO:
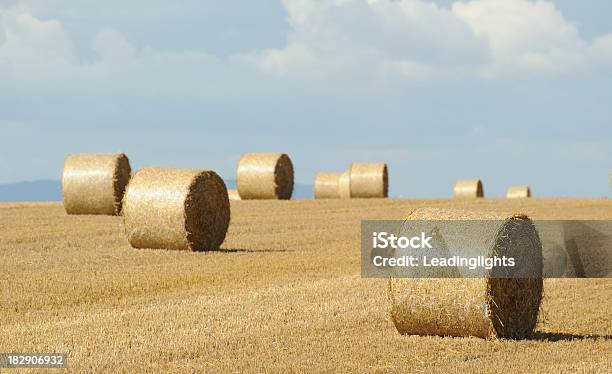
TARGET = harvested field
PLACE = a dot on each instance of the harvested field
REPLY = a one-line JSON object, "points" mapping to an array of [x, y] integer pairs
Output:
{"points": [[284, 294]]}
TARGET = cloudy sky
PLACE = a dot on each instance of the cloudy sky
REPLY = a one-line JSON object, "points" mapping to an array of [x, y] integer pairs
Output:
{"points": [[511, 91]]}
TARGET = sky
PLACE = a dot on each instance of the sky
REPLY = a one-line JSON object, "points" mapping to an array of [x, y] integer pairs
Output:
{"points": [[510, 91]]}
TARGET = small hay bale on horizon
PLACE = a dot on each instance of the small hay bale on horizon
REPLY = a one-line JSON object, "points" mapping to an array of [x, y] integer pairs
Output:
{"points": [[261, 176], [327, 185], [180, 209], [95, 183], [344, 185], [493, 306], [468, 188], [369, 180], [518, 192]]}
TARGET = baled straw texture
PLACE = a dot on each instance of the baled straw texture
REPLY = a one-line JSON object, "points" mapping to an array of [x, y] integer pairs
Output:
{"points": [[327, 185], [576, 248], [468, 188], [233, 194], [369, 180], [485, 307], [95, 183], [344, 185], [587, 245], [518, 192], [182, 209], [265, 176]]}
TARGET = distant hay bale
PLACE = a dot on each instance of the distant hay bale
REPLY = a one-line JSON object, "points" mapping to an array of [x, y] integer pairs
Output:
{"points": [[468, 188], [326, 185], [486, 307], [182, 209], [265, 176], [233, 194], [368, 180], [518, 192], [344, 185], [95, 183]]}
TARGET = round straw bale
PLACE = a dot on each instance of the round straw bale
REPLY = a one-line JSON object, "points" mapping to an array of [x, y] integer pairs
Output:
{"points": [[486, 307], [95, 183], [518, 192], [369, 180], [587, 244], [468, 188], [265, 176], [326, 185], [344, 185], [233, 194], [182, 209]]}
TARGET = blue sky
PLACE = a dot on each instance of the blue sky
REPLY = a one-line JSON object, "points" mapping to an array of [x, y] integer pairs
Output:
{"points": [[511, 91]]}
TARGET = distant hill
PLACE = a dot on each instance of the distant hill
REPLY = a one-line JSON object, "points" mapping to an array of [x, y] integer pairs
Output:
{"points": [[51, 190], [43, 190]]}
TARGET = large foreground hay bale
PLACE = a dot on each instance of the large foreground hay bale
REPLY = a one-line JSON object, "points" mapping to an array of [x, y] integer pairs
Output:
{"points": [[265, 176], [368, 180], [518, 192], [344, 185], [326, 185], [485, 307], [233, 194], [95, 183], [181, 209], [468, 188]]}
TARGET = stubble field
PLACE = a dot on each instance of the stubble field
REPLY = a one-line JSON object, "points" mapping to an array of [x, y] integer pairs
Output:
{"points": [[284, 294]]}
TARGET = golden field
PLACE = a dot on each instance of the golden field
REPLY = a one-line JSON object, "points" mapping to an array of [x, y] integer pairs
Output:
{"points": [[284, 294]]}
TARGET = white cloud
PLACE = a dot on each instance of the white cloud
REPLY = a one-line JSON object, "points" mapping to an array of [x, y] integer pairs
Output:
{"points": [[602, 49], [370, 38], [32, 48], [328, 39], [410, 69], [296, 57], [492, 37], [110, 44], [524, 35], [39, 56], [2, 36]]}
